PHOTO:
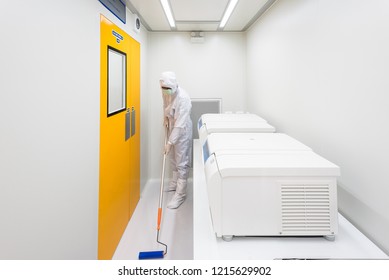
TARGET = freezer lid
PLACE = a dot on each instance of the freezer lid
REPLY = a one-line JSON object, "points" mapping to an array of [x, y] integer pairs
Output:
{"points": [[275, 163], [234, 126], [244, 117], [218, 142]]}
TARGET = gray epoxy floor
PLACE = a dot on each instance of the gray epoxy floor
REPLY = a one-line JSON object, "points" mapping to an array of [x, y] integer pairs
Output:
{"points": [[176, 226]]}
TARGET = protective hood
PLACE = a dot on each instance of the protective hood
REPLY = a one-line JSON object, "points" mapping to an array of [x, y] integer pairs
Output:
{"points": [[168, 79]]}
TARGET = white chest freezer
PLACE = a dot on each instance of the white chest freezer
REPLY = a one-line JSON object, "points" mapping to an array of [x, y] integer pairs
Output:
{"points": [[252, 142], [240, 143], [222, 123], [240, 117], [272, 193]]}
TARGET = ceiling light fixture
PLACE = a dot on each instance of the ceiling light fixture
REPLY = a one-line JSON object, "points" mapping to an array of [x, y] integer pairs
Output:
{"points": [[227, 14], [168, 12]]}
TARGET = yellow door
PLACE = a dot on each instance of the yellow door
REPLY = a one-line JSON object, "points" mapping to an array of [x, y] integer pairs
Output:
{"points": [[119, 134]]}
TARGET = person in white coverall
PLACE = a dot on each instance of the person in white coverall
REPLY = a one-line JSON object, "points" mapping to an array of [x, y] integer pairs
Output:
{"points": [[177, 107]]}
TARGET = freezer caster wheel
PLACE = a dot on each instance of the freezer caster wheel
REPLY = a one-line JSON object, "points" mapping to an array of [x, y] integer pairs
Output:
{"points": [[227, 238]]}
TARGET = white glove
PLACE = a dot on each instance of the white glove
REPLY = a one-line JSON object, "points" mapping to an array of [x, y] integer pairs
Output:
{"points": [[166, 122], [168, 146]]}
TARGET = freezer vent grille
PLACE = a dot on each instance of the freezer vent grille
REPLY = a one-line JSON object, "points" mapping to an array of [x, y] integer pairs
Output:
{"points": [[305, 208]]}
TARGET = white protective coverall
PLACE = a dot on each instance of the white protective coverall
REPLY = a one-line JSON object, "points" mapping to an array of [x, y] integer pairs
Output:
{"points": [[177, 107]]}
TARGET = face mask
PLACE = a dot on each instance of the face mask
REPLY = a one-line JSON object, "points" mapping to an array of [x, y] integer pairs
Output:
{"points": [[167, 91]]}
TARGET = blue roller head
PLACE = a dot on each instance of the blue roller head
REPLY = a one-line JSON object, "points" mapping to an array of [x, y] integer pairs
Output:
{"points": [[151, 255]]}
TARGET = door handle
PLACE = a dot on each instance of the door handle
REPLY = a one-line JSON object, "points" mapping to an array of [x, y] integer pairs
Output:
{"points": [[128, 125], [133, 121]]}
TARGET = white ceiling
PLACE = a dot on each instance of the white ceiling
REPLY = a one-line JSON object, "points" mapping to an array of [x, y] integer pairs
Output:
{"points": [[198, 15]]}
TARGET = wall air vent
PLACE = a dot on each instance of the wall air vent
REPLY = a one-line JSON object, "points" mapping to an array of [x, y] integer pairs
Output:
{"points": [[203, 106]]}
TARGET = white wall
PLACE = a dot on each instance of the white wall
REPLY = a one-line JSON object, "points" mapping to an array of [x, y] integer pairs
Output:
{"points": [[49, 127], [214, 69], [317, 70]]}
